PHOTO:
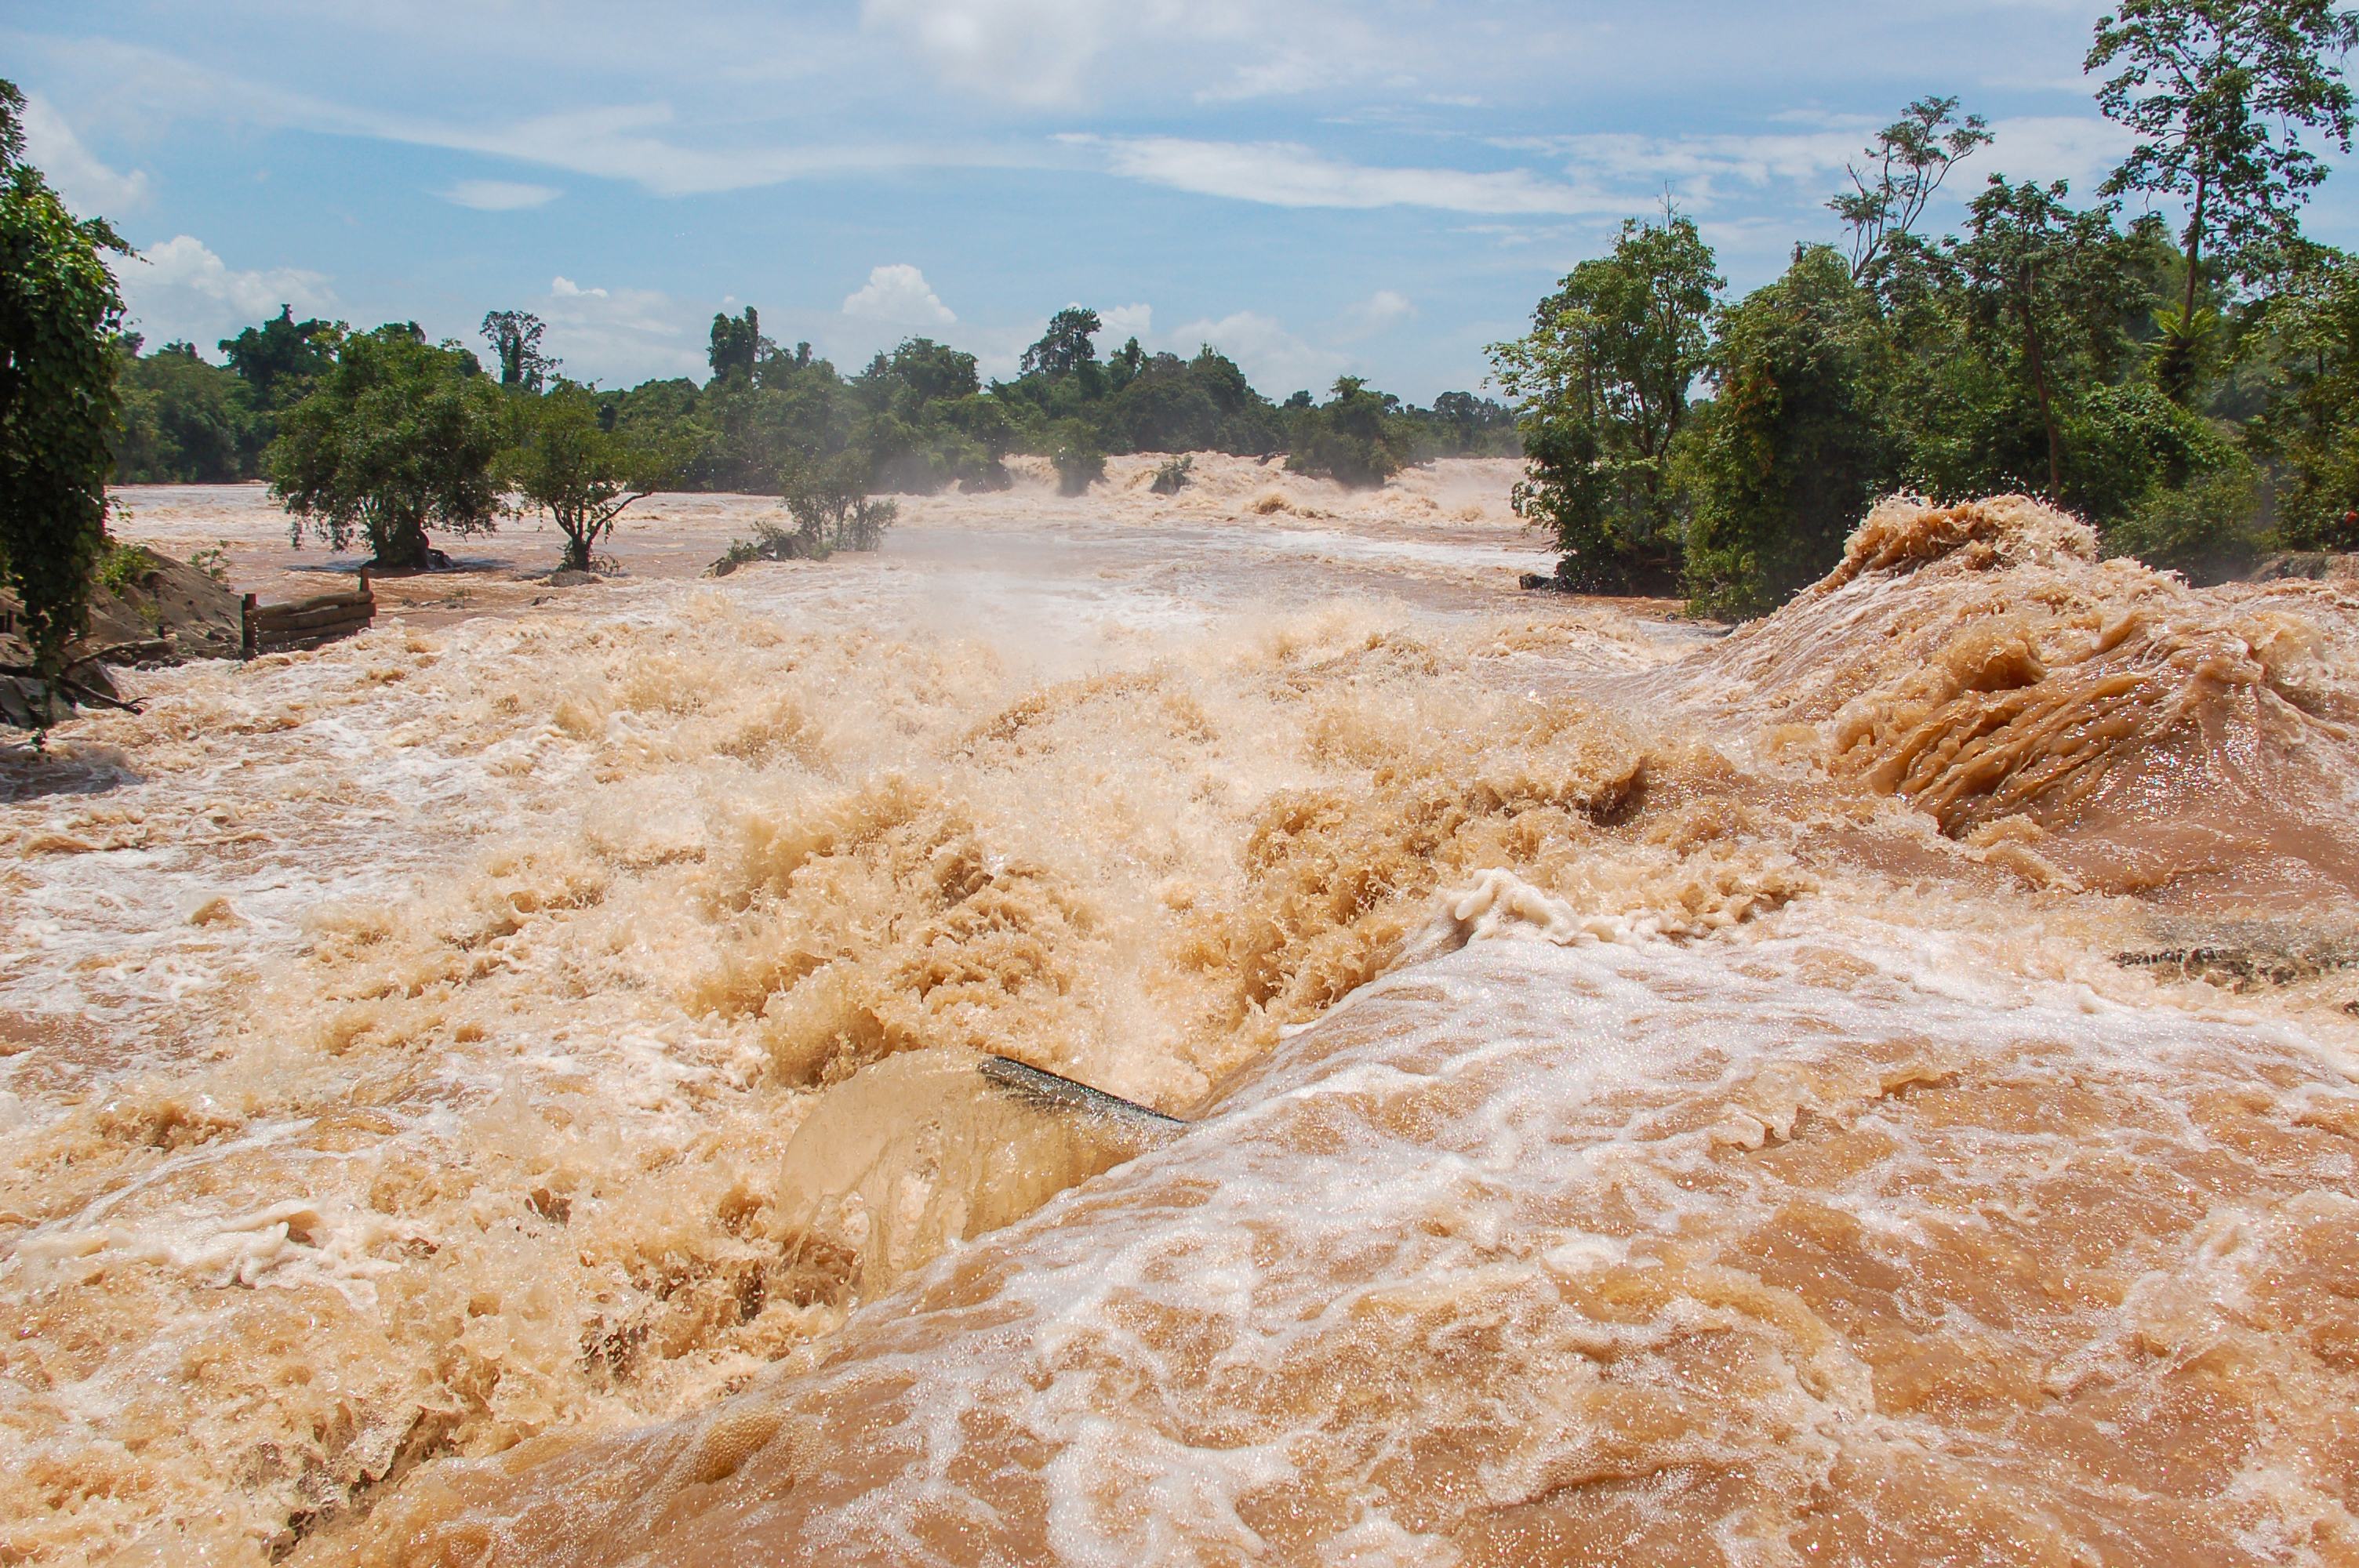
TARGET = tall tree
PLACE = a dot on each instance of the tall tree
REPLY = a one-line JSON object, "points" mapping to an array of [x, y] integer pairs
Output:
{"points": [[514, 338], [397, 438], [583, 475], [281, 358], [1603, 377], [1065, 346], [58, 317], [2049, 288], [1911, 159], [1794, 448], [2220, 94], [737, 345]]}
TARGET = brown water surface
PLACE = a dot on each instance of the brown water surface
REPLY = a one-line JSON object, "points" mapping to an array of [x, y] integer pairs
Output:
{"points": [[498, 1090]]}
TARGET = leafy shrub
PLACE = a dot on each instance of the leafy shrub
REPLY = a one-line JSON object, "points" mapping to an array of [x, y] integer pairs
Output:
{"points": [[1173, 475], [2206, 530], [122, 566], [1080, 461], [832, 506], [1355, 439]]}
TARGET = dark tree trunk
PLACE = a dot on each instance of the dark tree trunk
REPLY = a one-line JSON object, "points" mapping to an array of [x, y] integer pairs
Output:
{"points": [[2040, 384]]}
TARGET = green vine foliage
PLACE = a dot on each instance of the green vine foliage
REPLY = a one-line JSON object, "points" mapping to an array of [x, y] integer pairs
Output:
{"points": [[59, 316]]}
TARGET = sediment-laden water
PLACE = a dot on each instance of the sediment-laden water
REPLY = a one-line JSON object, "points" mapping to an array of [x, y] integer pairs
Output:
{"points": [[1871, 1087]]}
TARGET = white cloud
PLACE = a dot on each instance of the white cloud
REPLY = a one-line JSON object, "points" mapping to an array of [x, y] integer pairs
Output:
{"points": [[628, 334], [499, 195], [90, 187], [2081, 148], [1126, 321], [1380, 313], [1705, 171], [1066, 53], [898, 293], [181, 289], [1282, 174], [1037, 52], [1273, 359]]}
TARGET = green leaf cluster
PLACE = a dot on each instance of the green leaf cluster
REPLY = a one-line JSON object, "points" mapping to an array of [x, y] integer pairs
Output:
{"points": [[59, 313], [397, 436], [1603, 378], [563, 462]]}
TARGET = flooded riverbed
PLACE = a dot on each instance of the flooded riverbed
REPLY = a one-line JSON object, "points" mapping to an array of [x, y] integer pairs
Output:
{"points": [[1658, 1095]]}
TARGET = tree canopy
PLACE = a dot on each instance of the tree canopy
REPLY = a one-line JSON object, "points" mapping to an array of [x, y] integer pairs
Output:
{"points": [[281, 359], [2219, 93], [1065, 346], [1911, 158], [514, 338], [397, 437], [1603, 378], [59, 316]]}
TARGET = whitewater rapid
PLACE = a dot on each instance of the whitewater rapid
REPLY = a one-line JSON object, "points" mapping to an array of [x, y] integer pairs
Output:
{"points": [[1657, 1097]]}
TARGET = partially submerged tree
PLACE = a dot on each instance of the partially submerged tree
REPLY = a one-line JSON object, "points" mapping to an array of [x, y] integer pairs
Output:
{"points": [[2220, 94], [514, 337], [1348, 438], [829, 500], [58, 317], [1603, 377], [398, 436], [1911, 157], [565, 463]]}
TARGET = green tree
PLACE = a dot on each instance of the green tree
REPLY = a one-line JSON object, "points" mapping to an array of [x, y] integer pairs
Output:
{"points": [[830, 503], [2047, 291], [1065, 346], [2310, 425], [737, 345], [583, 475], [58, 317], [1911, 157], [184, 421], [1351, 437], [281, 359], [1793, 449], [514, 337], [1603, 378], [2220, 94], [1079, 459], [398, 436]]}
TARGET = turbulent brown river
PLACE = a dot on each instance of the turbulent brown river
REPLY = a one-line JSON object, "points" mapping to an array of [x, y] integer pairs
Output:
{"points": [[1875, 1086]]}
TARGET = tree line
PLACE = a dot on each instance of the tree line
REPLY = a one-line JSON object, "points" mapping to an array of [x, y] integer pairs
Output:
{"points": [[2187, 387], [295, 398]]}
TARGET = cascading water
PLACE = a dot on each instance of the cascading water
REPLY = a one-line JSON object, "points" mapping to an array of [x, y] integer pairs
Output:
{"points": [[507, 1091]]}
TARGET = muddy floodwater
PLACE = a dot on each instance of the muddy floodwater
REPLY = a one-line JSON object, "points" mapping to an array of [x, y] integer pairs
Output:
{"points": [[1874, 1086]]}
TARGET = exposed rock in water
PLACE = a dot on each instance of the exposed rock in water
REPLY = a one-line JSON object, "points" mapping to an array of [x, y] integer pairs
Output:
{"points": [[2318, 566], [165, 611]]}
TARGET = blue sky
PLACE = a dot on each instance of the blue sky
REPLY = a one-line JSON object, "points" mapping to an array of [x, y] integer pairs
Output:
{"points": [[1376, 188]]}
